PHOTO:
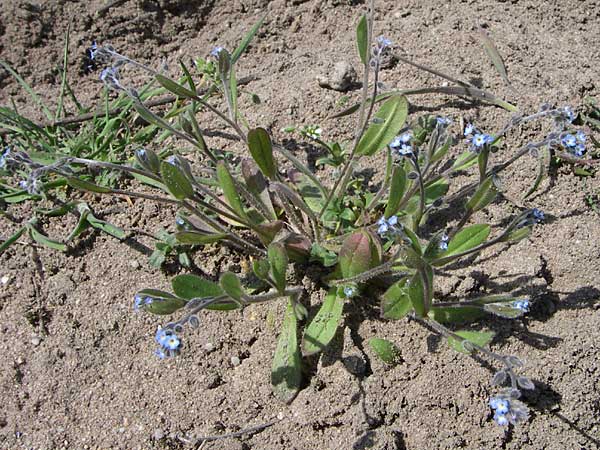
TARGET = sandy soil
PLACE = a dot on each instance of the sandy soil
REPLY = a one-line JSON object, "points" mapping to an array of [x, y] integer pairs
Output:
{"points": [[77, 363]]}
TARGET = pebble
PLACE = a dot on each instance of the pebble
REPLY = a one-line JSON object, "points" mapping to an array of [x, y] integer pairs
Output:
{"points": [[209, 346], [340, 77], [36, 341], [158, 434], [235, 361], [134, 264], [5, 279]]}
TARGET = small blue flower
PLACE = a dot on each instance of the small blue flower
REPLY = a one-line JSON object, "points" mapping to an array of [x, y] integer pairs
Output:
{"points": [[393, 221], [569, 114], [579, 150], [507, 409], [172, 160], [387, 225], [523, 305], [160, 353], [349, 291], [500, 405], [581, 138], [179, 221], [401, 144], [469, 129], [383, 42], [4, 157], [481, 139], [93, 50], [443, 121], [443, 245], [569, 141], [501, 419], [538, 215], [24, 184], [141, 152], [215, 51], [172, 342], [169, 343], [138, 300]]}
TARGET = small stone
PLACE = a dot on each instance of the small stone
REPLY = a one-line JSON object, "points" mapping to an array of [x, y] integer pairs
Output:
{"points": [[134, 264], [235, 361], [158, 434], [5, 279], [209, 347], [121, 430], [36, 341], [280, 416], [340, 77]]}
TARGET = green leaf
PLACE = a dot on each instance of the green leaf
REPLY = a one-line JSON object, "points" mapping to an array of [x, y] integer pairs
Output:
{"points": [[391, 115], [397, 189], [416, 293], [83, 185], [175, 87], [286, 370], [323, 255], [189, 286], [360, 252], [467, 239], [322, 328], [385, 350], [395, 303], [480, 338], [464, 161], [517, 235], [261, 268], [12, 239], [278, 260], [195, 238], [241, 48], [362, 39], [108, 228], [45, 240], [484, 195], [457, 314], [227, 184], [177, 183], [494, 55], [261, 150], [232, 286], [162, 302]]}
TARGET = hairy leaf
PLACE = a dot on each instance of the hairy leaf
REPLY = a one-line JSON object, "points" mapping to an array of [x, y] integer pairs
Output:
{"points": [[286, 370], [322, 328], [388, 120]]}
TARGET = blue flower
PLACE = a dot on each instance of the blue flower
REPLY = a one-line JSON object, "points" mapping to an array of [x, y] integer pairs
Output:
{"points": [[349, 291], [215, 51], [443, 245], [569, 114], [383, 42], [93, 50], [469, 129], [523, 305], [538, 215], [401, 144], [443, 121], [168, 341], [507, 409], [480, 139], [4, 157], [569, 141], [581, 138], [387, 225]]}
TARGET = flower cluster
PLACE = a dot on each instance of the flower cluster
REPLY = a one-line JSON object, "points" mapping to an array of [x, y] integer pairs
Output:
{"points": [[390, 225], [574, 143], [443, 121], [443, 245], [401, 144], [507, 409], [476, 138], [169, 343]]}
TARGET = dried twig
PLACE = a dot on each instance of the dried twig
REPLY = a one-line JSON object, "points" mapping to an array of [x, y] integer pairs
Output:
{"points": [[251, 430]]}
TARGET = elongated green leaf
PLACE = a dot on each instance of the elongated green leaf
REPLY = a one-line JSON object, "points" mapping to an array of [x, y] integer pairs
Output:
{"points": [[467, 239], [395, 303], [397, 189], [457, 314], [417, 295], [241, 48], [45, 240], [464, 161], [83, 185], [261, 150], [191, 286], [480, 338], [388, 120], [256, 184], [175, 180], [517, 235], [12, 239], [286, 370], [385, 350], [108, 228], [483, 196], [227, 184], [362, 39], [278, 260], [195, 238], [159, 302], [232, 286], [494, 54], [233, 91], [175, 87], [322, 328], [82, 223]]}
